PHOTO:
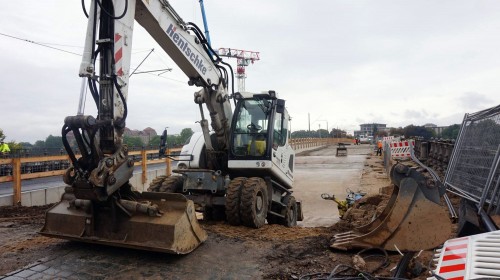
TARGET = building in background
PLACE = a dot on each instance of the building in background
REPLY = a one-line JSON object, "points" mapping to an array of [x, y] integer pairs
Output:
{"points": [[145, 135], [437, 129], [367, 129]]}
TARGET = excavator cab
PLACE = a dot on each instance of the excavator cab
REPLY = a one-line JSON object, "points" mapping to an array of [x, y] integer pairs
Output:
{"points": [[259, 126], [259, 144]]}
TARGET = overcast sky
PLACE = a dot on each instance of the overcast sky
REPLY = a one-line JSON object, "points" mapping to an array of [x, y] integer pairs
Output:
{"points": [[344, 62]]}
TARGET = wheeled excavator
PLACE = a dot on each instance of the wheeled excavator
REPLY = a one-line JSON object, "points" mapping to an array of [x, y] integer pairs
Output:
{"points": [[243, 165]]}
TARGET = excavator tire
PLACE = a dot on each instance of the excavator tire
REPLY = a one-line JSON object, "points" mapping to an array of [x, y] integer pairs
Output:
{"points": [[233, 195], [172, 184], [155, 185], [254, 203], [290, 212]]}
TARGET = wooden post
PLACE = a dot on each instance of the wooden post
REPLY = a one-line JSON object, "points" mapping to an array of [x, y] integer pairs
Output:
{"points": [[144, 166], [16, 173], [168, 172]]}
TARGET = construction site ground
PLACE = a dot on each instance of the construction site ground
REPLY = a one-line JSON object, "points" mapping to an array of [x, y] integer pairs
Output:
{"points": [[271, 252]]}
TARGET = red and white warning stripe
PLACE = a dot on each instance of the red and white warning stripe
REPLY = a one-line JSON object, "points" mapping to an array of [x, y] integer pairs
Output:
{"points": [[454, 259], [401, 149], [471, 257], [118, 54]]}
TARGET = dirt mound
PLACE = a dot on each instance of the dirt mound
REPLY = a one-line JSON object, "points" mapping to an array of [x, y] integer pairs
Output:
{"points": [[363, 212], [265, 233]]}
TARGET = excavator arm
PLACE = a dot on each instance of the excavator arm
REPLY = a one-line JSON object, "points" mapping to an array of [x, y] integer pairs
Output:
{"points": [[101, 206], [109, 41]]}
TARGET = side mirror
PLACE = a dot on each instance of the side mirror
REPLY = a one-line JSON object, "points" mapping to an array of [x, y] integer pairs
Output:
{"points": [[163, 144], [280, 106]]}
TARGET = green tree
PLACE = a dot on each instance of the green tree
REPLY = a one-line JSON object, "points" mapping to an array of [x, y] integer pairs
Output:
{"points": [[323, 133], [451, 132], [185, 134], [396, 131], [305, 134], [53, 142], [26, 145], [338, 133], [14, 146], [381, 133], [414, 130], [2, 136], [155, 141], [132, 142], [39, 144]]}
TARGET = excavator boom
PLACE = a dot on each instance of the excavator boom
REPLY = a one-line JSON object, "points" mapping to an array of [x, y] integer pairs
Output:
{"points": [[100, 205]]}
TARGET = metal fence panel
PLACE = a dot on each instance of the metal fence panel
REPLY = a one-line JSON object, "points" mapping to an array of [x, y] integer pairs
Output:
{"points": [[473, 168]]}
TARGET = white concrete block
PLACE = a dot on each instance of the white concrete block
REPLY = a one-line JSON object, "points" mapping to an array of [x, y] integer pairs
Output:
{"points": [[26, 199], [38, 197], [6, 200], [54, 194]]}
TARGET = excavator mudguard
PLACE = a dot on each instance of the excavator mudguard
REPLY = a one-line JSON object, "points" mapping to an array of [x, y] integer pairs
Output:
{"points": [[413, 220], [175, 230]]}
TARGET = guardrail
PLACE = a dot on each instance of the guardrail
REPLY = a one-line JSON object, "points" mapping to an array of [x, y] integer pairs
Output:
{"points": [[303, 143], [22, 168], [18, 169]]}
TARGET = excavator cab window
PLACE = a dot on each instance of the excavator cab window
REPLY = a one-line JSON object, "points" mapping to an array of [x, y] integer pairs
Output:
{"points": [[280, 132], [251, 127]]}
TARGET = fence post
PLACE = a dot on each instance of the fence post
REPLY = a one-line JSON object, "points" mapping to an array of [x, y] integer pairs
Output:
{"points": [[144, 166], [169, 164], [16, 173]]}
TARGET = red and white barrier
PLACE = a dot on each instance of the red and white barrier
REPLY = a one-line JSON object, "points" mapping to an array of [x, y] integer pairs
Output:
{"points": [[471, 257], [401, 149]]}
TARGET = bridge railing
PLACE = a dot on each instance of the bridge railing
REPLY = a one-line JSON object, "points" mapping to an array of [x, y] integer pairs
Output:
{"points": [[304, 143], [28, 166], [23, 168]]}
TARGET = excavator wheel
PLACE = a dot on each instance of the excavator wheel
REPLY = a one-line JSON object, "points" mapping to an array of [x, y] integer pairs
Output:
{"points": [[172, 184], [254, 203], [155, 185], [290, 212], [233, 195]]}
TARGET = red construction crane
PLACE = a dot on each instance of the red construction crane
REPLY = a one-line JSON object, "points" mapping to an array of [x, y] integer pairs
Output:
{"points": [[243, 60]]}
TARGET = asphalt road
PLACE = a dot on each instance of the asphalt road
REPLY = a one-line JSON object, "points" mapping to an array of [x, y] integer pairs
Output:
{"points": [[322, 172]]}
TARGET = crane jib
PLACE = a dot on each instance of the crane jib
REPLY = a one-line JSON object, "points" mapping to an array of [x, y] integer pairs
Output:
{"points": [[184, 46]]}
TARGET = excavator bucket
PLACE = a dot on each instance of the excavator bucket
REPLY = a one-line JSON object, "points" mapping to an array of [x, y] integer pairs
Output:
{"points": [[413, 220], [174, 229]]}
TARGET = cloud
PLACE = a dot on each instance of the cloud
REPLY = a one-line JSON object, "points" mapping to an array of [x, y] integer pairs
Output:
{"points": [[349, 62], [473, 101]]}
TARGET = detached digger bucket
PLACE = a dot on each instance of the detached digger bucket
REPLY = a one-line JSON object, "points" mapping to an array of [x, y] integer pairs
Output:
{"points": [[175, 230], [413, 220]]}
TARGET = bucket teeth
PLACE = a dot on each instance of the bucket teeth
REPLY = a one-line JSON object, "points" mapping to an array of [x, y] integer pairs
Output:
{"points": [[346, 241]]}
